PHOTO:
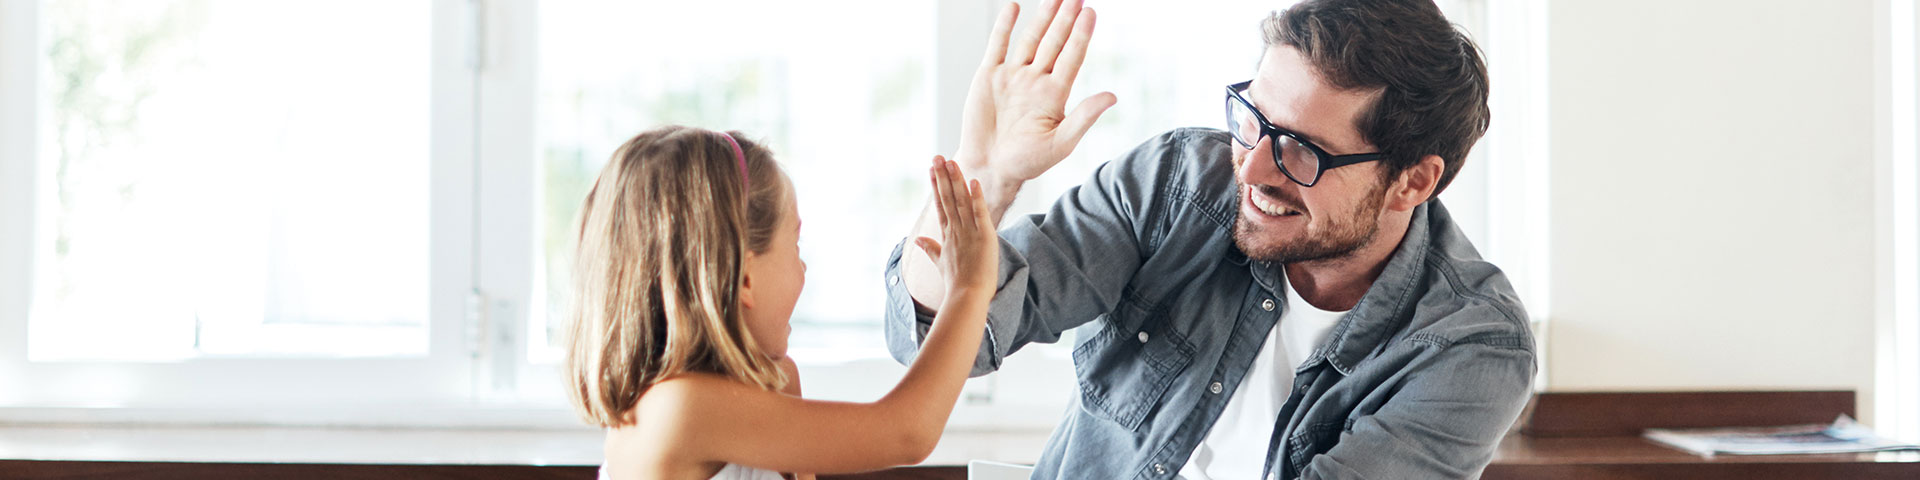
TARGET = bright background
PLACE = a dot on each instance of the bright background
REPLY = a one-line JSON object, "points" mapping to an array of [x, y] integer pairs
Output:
{"points": [[354, 212]]}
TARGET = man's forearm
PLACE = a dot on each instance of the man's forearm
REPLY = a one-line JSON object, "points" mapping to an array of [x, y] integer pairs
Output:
{"points": [[924, 282]]}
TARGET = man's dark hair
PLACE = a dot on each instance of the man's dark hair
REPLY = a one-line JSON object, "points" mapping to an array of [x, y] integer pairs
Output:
{"points": [[1431, 81]]}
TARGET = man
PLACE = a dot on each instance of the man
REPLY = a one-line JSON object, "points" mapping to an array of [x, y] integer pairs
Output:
{"points": [[1283, 300]]}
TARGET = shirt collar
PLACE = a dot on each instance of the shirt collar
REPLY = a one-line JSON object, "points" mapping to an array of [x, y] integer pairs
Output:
{"points": [[1377, 316]]}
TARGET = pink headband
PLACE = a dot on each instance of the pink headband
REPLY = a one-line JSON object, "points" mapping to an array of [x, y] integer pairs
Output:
{"points": [[740, 157]]}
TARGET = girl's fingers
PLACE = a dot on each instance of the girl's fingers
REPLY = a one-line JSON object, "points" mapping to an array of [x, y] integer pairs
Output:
{"points": [[962, 200], [941, 203], [979, 205], [931, 246]]}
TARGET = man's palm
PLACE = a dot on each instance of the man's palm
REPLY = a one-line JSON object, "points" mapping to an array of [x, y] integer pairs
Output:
{"points": [[1015, 124]]}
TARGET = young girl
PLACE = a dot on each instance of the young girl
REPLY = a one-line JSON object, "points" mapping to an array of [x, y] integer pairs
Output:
{"points": [[688, 269]]}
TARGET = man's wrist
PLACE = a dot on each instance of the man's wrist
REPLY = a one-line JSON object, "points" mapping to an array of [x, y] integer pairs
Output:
{"points": [[998, 190]]}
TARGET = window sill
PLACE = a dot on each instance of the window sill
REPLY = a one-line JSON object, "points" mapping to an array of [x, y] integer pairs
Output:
{"points": [[394, 446]]}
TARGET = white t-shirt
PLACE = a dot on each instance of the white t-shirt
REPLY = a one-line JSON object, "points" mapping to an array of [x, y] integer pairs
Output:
{"points": [[1236, 446]]}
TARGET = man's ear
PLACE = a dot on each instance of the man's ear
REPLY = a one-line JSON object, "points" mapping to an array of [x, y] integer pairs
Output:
{"points": [[746, 279], [1415, 184]]}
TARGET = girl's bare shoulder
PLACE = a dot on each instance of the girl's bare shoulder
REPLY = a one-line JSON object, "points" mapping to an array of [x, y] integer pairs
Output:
{"points": [[682, 402], [672, 417]]}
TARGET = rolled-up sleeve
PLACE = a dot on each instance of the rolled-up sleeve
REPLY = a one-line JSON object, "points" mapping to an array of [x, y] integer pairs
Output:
{"points": [[1064, 267]]}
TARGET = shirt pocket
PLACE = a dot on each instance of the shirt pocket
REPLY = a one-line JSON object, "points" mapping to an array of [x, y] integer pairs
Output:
{"points": [[1124, 374], [1311, 440]]}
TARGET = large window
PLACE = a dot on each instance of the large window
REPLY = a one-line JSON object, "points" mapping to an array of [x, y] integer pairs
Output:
{"points": [[847, 116], [228, 178], [233, 203]]}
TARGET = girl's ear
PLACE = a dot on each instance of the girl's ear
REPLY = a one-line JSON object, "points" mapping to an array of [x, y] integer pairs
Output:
{"points": [[746, 279]]}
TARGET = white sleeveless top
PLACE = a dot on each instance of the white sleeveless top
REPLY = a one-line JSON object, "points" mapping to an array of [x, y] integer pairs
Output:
{"points": [[729, 472], [736, 472]]}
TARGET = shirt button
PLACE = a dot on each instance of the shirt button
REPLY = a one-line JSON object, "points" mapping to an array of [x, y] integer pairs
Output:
{"points": [[1266, 304], [1143, 337], [1215, 388], [1159, 469], [894, 281]]}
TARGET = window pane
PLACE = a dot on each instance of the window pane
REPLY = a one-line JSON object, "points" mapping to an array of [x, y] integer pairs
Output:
{"points": [[233, 177], [848, 116]]}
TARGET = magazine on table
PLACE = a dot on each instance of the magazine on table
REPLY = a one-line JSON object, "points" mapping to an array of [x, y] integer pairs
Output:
{"points": [[1842, 436]]}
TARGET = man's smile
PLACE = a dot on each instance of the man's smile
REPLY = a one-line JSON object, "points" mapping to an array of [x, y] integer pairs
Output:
{"points": [[1267, 206]]}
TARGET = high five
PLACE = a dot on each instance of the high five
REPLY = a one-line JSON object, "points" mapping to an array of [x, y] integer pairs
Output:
{"points": [[1015, 125]]}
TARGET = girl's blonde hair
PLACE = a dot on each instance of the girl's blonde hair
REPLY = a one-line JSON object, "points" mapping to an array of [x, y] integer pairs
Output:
{"points": [[663, 240]]}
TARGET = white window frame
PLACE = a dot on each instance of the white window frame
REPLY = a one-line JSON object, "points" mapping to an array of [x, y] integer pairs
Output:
{"points": [[391, 390], [1896, 391], [1512, 159]]}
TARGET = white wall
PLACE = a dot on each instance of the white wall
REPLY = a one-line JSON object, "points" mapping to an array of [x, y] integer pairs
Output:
{"points": [[1712, 219]]}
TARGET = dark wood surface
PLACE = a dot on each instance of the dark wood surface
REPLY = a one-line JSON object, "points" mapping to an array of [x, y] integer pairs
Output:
{"points": [[1597, 436], [1524, 450], [1634, 458], [79, 470], [1705, 471], [1627, 414]]}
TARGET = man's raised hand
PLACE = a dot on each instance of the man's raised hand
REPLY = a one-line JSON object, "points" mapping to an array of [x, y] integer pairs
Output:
{"points": [[1015, 125]]}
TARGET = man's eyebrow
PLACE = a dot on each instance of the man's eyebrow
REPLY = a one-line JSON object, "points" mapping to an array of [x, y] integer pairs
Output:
{"points": [[1315, 139], [1311, 138]]}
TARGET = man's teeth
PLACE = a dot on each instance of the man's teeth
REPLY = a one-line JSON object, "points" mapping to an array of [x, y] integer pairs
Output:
{"points": [[1270, 208]]}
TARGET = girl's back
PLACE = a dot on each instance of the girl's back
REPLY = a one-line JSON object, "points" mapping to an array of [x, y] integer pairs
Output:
{"points": [[642, 464], [688, 270]]}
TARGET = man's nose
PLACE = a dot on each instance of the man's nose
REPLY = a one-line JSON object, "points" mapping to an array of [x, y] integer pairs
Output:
{"points": [[1257, 167]]}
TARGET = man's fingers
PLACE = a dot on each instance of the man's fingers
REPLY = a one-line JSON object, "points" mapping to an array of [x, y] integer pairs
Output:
{"points": [[1082, 118], [1075, 52], [1022, 52], [1057, 33], [997, 41]]}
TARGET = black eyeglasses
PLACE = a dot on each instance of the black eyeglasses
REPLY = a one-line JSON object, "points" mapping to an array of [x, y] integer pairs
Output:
{"points": [[1301, 160]]}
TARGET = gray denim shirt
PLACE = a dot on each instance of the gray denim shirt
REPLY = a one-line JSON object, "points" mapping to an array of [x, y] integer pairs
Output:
{"points": [[1419, 380]]}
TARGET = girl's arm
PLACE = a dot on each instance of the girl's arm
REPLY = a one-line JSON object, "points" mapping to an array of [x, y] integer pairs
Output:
{"points": [[793, 388], [713, 419]]}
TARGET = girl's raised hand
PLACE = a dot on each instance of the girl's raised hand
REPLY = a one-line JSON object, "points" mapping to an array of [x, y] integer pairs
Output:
{"points": [[969, 252]]}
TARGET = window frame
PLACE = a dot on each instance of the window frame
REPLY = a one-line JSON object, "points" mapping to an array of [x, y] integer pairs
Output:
{"points": [[1895, 405], [309, 388]]}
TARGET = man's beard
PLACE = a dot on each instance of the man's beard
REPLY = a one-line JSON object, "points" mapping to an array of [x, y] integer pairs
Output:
{"points": [[1342, 237]]}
